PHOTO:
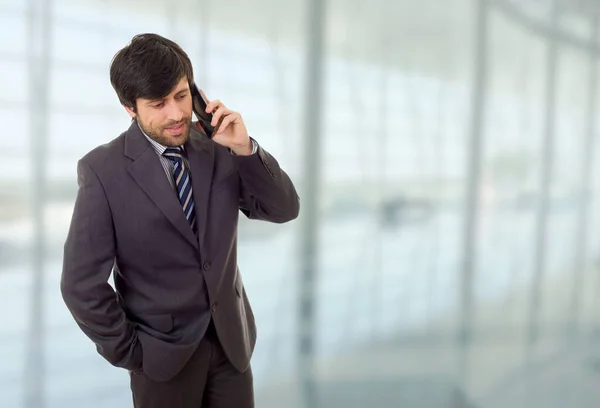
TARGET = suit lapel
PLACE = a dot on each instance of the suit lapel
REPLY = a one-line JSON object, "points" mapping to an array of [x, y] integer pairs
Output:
{"points": [[200, 155], [151, 177]]}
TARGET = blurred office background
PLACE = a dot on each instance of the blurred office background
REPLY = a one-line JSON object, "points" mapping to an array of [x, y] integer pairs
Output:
{"points": [[446, 155]]}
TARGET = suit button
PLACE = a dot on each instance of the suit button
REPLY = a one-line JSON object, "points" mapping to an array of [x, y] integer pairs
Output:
{"points": [[214, 307], [206, 266]]}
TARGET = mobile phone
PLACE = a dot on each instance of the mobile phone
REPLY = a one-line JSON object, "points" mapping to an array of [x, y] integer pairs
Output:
{"points": [[199, 108]]}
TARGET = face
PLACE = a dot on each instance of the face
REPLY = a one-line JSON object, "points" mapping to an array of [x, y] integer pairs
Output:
{"points": [[166, 120]]}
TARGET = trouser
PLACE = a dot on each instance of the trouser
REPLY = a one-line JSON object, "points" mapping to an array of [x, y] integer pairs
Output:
{"points": [[208, 380]]}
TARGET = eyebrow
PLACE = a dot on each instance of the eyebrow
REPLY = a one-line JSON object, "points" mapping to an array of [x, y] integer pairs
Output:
{"points": [[161, 99]]}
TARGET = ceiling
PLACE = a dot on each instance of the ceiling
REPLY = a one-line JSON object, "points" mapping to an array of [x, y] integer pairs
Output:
{"points": [[430, 38]]}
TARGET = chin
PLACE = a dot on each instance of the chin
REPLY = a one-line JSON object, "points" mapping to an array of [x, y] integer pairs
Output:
{"points": [[176, 140]]}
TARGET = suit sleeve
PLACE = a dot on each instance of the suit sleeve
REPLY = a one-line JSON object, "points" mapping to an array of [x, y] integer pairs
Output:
{"points": [[89, 254], [267, 192]]}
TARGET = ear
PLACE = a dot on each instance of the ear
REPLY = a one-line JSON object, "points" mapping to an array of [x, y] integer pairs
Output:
{"points": [[130, 111]]}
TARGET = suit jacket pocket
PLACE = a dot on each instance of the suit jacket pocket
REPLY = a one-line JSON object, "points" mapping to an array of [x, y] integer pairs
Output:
{"points": [[162, 322]]}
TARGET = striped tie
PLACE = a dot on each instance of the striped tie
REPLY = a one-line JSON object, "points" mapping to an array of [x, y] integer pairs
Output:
{"points": [[183, 182]]}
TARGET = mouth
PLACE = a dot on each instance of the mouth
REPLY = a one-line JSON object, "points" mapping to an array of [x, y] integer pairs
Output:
{"points": [[177, 129]]}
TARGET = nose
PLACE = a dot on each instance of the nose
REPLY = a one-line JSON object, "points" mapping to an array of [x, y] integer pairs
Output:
{"points": [[173, 112]]}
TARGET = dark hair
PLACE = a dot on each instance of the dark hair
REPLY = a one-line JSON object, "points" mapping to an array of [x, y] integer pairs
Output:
{"points": [[149, 67]]}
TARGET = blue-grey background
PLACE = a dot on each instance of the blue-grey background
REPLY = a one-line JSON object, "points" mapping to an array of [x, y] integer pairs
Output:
{"points": [[446, 156]]}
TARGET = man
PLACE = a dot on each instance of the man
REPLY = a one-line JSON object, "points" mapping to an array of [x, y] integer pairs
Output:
{"points": [[159, 207]]}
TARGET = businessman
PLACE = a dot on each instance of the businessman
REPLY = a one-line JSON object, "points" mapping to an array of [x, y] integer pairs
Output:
{"points": [[158, 206]]}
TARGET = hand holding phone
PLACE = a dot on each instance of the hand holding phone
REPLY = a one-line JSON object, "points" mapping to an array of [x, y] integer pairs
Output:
{"points": [[229, 129]]}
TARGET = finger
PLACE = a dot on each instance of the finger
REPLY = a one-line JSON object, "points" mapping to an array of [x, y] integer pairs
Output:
{"points": [[231, 118], [221, 111], [212, 106]]}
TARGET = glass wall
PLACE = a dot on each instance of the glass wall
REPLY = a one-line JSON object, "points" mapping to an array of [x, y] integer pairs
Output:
{"points": [[454, 254]]}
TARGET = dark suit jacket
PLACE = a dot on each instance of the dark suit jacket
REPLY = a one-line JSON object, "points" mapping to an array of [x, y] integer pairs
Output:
{"points": [[168, 282]]}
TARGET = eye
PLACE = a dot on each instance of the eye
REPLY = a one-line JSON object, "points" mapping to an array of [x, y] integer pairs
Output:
{"points": [[182, 96], [158, 105]]}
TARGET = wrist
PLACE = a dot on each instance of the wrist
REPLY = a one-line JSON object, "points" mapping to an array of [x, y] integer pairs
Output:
{"points": [[245, 150]]}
